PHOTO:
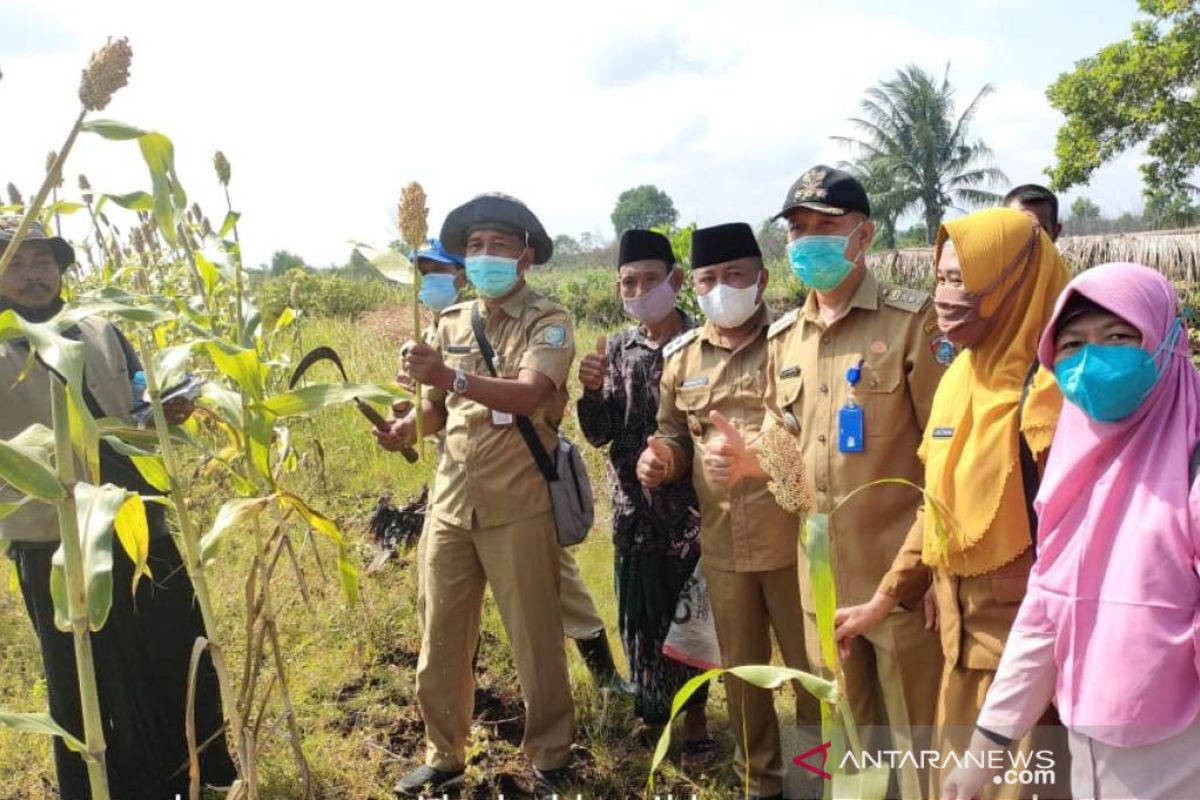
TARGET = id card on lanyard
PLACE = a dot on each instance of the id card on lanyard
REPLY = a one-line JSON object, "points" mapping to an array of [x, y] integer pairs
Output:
{"points": [[851, 436]]}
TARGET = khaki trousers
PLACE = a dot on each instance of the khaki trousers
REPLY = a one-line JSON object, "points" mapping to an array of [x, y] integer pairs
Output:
{"points": [[579, 616], [521, 563], [747, 606]]}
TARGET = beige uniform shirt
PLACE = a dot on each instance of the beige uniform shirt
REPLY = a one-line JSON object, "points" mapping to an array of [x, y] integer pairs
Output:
{"points": [[486, 476], [893, 331], [743, 529]]}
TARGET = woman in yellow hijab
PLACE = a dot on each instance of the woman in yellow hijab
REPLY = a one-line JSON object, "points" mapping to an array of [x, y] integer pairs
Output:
{"points": [[998, 276]]}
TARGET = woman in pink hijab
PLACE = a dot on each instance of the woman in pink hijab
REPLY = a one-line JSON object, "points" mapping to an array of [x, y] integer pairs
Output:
{"points": [[1108, 628]]}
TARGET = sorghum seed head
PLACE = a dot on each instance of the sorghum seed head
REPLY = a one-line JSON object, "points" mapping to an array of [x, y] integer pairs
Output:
{"points": [[414, 216], [106, 72], [221, 163]]}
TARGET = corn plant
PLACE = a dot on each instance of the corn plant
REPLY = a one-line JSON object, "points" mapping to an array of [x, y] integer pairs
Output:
{"points": [[178, 284], [781, 459]]}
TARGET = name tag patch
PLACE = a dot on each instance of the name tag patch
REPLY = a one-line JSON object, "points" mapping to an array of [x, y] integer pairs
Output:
{"points": [[692, 383], [458, 348], [943, 433], [789, 372]]}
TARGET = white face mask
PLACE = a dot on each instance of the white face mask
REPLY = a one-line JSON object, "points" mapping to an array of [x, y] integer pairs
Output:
{"points": [[729, 307]]}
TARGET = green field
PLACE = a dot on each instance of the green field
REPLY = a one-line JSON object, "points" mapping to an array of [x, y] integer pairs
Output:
{"points": [[351, 668]]}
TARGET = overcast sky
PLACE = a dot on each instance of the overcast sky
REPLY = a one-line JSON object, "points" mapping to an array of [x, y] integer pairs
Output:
{"points": [[326, 113]]}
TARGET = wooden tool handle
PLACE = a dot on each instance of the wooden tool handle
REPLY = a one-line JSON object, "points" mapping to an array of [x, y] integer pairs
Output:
{"points": [[381, 424]]}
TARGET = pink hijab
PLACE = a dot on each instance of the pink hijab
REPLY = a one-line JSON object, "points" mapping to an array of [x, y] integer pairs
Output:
{"points": [[1116, 578]]}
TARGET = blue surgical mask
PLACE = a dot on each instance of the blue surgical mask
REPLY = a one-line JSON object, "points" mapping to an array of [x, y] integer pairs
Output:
{"points": [[438, 291], [1108, 382], [820, 261], [492, 276]]}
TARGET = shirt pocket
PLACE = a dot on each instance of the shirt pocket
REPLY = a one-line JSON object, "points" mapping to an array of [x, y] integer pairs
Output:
{"points": [[694, 401], [788, 392], [885, 403]]}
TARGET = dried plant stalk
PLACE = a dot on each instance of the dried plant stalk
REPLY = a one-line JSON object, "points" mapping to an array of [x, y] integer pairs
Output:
{"points": [[414, 226]]}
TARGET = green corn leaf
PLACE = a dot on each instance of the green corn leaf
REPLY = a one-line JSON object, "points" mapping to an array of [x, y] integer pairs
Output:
{"points": [[8, 509], [677, 703], [133, 533], [112, 129], [389, 263], [85, 433], [43, 725], [285, 319], [208, 272], [820, 570], [253, 328], [227, 404], [133, 201], [231, 219], [169, 197], [154, 470], [96, 509], [240, 365], [767, 677], [261, 431], [347, 569], [317, 396], [143, 313], [170, 364], [233, 513], [21, 469], [62, 207], [58, 591]]}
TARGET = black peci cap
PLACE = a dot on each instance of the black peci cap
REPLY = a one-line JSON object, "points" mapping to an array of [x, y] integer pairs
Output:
{"points": [[640, 245], [722, 243]]}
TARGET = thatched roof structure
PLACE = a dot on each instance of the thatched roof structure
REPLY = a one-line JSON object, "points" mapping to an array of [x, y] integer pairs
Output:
{"points": [[1174, 253]]}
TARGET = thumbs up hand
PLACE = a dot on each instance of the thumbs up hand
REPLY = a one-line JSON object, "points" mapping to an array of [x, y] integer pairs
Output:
{"points": [[654, 464], [726, 456], [594, 366]]}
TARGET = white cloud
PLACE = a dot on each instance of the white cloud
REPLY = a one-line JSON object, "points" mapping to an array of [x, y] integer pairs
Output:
{"points": [[326, 112]]}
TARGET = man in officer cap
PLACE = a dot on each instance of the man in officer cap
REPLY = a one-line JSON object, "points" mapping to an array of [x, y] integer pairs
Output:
{"points": [[491, 519], [748, 543], [852, 374]]}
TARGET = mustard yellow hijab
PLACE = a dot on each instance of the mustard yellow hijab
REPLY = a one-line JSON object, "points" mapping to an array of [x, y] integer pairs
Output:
{"points": [[972, 464]]}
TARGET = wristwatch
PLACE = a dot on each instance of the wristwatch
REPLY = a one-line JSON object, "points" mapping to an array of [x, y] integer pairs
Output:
{"points": [[460, 381]]}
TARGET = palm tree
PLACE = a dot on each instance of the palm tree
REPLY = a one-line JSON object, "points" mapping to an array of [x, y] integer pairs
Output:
{"points": [[888, 199], [911, 136]]}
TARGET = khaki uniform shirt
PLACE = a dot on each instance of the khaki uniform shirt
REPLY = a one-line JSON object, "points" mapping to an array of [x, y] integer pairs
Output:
{"points": [[486, 476], [743, 529], [893, 331]]}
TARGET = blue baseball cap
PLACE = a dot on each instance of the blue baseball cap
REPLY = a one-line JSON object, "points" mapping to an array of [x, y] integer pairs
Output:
{"points": [[435, 252]]}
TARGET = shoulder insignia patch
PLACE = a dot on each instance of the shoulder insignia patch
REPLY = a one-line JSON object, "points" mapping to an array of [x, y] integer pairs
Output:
{"points": [[783, 323], [944, 350], [555, 336], [910, 300], [679, 342]]}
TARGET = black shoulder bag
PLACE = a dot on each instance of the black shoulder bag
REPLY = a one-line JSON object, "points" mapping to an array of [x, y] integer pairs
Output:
{"points": [[570, 489]]}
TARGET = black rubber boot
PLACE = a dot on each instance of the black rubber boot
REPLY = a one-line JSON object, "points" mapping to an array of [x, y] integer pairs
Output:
{"points": [[599, 659]]}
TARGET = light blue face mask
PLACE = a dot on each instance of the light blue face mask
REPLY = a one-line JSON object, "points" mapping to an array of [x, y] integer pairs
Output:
{"points": [[492, 276], [820, 261], [1108, 382], [438, 291]]}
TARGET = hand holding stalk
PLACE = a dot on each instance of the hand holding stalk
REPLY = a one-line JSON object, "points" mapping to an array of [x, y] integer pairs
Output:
{"points": [[414, 225]]}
